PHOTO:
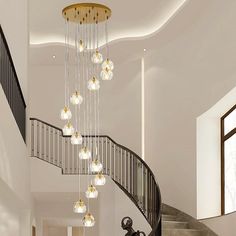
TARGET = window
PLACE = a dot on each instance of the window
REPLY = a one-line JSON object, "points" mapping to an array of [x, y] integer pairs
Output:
{"points": [[228, 161]]}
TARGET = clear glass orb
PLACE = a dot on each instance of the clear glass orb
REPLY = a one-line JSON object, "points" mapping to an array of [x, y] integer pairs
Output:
{"points": [[106, 74], [108, 64], [76, 98], [93, 84], [91, 192], [66, 113], [96, 166], [76, 138], [79, 207], [97, 58], [68, 129], [99, 179], [81, 46], [88, 220], [84, 153]]}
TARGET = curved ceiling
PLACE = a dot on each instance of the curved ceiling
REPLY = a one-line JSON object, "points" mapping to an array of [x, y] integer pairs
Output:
{"points": [[130, 19]]}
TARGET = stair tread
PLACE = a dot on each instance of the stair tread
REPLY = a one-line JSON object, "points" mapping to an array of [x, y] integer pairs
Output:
{"points": [[174, 222], [175, 225], [188, 229], [169, 217], [182, 232], [166, 215]]}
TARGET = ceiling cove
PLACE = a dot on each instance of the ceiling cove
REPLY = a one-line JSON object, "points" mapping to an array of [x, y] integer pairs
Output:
{"points": [[130, 19]]}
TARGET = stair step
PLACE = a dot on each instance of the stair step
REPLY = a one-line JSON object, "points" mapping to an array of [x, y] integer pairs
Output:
{"points": [[168, 217], [182, 232], [174, 225]]}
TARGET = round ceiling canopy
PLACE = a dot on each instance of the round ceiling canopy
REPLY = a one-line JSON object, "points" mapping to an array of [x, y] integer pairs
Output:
{"points": [[86, 13]]}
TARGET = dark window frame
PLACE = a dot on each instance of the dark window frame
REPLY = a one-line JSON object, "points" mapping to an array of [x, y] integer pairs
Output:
{"points": [[224, 137]]}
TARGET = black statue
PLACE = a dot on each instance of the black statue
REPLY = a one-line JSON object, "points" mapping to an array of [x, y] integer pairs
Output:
{"points": [[127, 224]]}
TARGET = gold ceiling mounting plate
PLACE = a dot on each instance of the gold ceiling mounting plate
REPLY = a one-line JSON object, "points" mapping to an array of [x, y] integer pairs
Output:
{"points": [[86, 13]]}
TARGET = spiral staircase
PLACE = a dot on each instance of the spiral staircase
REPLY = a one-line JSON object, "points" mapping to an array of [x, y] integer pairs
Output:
{"points": [[129, 172]]}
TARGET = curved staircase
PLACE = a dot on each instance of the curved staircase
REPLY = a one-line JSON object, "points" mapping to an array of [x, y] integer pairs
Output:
{"points": [[127, 170]]}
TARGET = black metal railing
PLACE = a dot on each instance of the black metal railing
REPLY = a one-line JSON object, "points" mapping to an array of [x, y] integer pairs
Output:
{"points": [[124, 166], [10, 84]]}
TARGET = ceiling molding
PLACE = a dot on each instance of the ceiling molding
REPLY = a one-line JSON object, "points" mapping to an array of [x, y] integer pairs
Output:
{"points": [[42, 41]]}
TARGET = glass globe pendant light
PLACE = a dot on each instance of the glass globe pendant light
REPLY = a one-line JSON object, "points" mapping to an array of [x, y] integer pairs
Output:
{"points": [[76, 138], [99, 179], [106, 74], [108, 64], [68, 129], [96, 166], [79, 207], [88, 220], [93, 84], [84, 153], [91, 192], [66, 113], [76, 98], [97, 57], [81, 46]]}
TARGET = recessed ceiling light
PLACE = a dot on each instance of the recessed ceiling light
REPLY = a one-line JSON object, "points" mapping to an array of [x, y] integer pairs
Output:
{"points": [[144, 49], [54, 56]]}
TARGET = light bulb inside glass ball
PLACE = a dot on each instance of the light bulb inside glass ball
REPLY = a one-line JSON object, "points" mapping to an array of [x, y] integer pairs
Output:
{"points": [[97, 58], [91, 192], [76, 98], [99, 179], [79, 207], [106, 74], [108, 64], [76, 138], [88, 220], [68, 129], [93, 84], [96, 166], [84, 153], [66, 113], [81, 46]]}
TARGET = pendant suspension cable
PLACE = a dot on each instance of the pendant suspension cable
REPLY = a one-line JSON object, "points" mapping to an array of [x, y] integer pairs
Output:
{"points": [[106, 35], [66, 58], [94, 71], [76, 58], [96, 108], [87, 107], [68, 64], [65, 55], [76, 75], [90, 105], [84, 83]]}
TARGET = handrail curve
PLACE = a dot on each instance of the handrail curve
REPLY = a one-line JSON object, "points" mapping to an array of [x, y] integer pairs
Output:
{"points": [[131, 174]]}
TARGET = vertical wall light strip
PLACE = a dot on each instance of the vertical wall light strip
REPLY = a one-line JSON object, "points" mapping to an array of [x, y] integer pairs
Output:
{"points": [[143, 108]]}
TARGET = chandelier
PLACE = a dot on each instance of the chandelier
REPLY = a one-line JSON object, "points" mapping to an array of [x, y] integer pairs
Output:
{"points": [[86, 31]]}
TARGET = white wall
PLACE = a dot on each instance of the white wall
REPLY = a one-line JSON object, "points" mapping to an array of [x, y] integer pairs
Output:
{"points": [[15, 197], [14, 22], [223, 226], [55, 231], [14, 219], [208, 167]]}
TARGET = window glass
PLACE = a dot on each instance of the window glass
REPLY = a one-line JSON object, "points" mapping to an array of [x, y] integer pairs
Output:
{"points": [[230, 122], [230, 174]]}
